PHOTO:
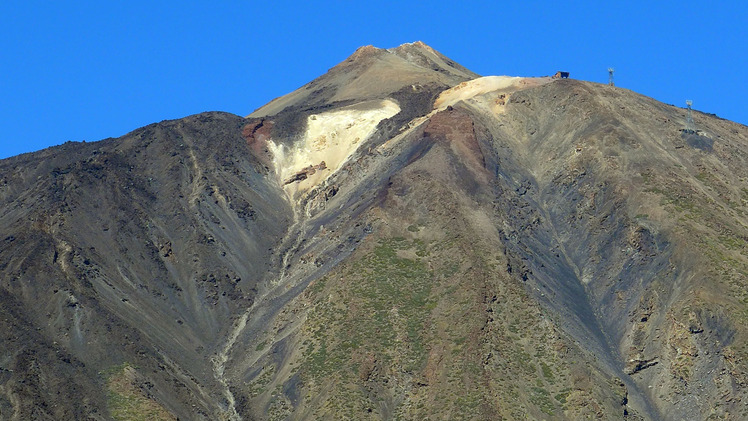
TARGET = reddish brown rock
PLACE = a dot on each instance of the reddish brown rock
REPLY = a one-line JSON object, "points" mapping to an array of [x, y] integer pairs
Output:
{"points": [[257, 134], [457, 128]]}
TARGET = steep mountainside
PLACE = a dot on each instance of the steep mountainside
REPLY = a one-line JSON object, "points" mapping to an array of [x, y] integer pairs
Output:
{"points": [[398, 239]]}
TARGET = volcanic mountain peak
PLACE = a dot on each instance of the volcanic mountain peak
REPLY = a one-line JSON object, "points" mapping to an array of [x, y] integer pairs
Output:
{"points": [[416, 54], [398, 239], [373, 73]]}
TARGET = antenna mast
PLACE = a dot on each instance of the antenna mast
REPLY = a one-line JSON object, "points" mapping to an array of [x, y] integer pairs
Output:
{"points": [[610, 76], [690, 127]]}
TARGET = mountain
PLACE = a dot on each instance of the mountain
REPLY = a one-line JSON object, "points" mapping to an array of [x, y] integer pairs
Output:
{"points": [[398, 239]]}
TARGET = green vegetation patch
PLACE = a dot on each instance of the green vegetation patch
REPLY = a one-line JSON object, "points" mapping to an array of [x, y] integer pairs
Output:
{"points": [[126, 401], [367, 320], [382, 306]]}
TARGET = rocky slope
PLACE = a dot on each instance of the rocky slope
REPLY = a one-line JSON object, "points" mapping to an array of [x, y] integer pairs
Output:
{"points": [[398, 239]]}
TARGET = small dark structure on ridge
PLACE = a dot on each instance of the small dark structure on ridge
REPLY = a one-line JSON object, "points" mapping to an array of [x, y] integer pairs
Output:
{"points": [[561, 75]]}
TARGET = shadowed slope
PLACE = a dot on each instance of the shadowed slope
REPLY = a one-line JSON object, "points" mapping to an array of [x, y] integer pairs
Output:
{"points": [[137, 250]]}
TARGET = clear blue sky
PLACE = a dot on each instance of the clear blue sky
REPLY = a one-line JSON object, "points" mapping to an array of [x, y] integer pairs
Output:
{"points": [[87, 70]]}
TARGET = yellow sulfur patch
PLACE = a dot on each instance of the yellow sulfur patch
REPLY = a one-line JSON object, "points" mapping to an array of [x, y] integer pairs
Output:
{"points": [[489, 92], [330, 138]]}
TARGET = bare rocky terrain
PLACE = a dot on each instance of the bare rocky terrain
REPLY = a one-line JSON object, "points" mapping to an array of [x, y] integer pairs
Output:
{"points": [[398, 239]]}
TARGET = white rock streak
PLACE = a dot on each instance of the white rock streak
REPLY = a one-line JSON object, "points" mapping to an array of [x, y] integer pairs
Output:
{"points": [[331, 137]]}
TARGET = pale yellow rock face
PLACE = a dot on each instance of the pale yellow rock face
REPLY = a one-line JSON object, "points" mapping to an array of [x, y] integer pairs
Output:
{"points": [[330, 137], [470, 89], [489, 92]]}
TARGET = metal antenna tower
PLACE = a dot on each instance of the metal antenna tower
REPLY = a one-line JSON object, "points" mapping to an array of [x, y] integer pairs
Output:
{"points": [[610, 76], [690, 127]]}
